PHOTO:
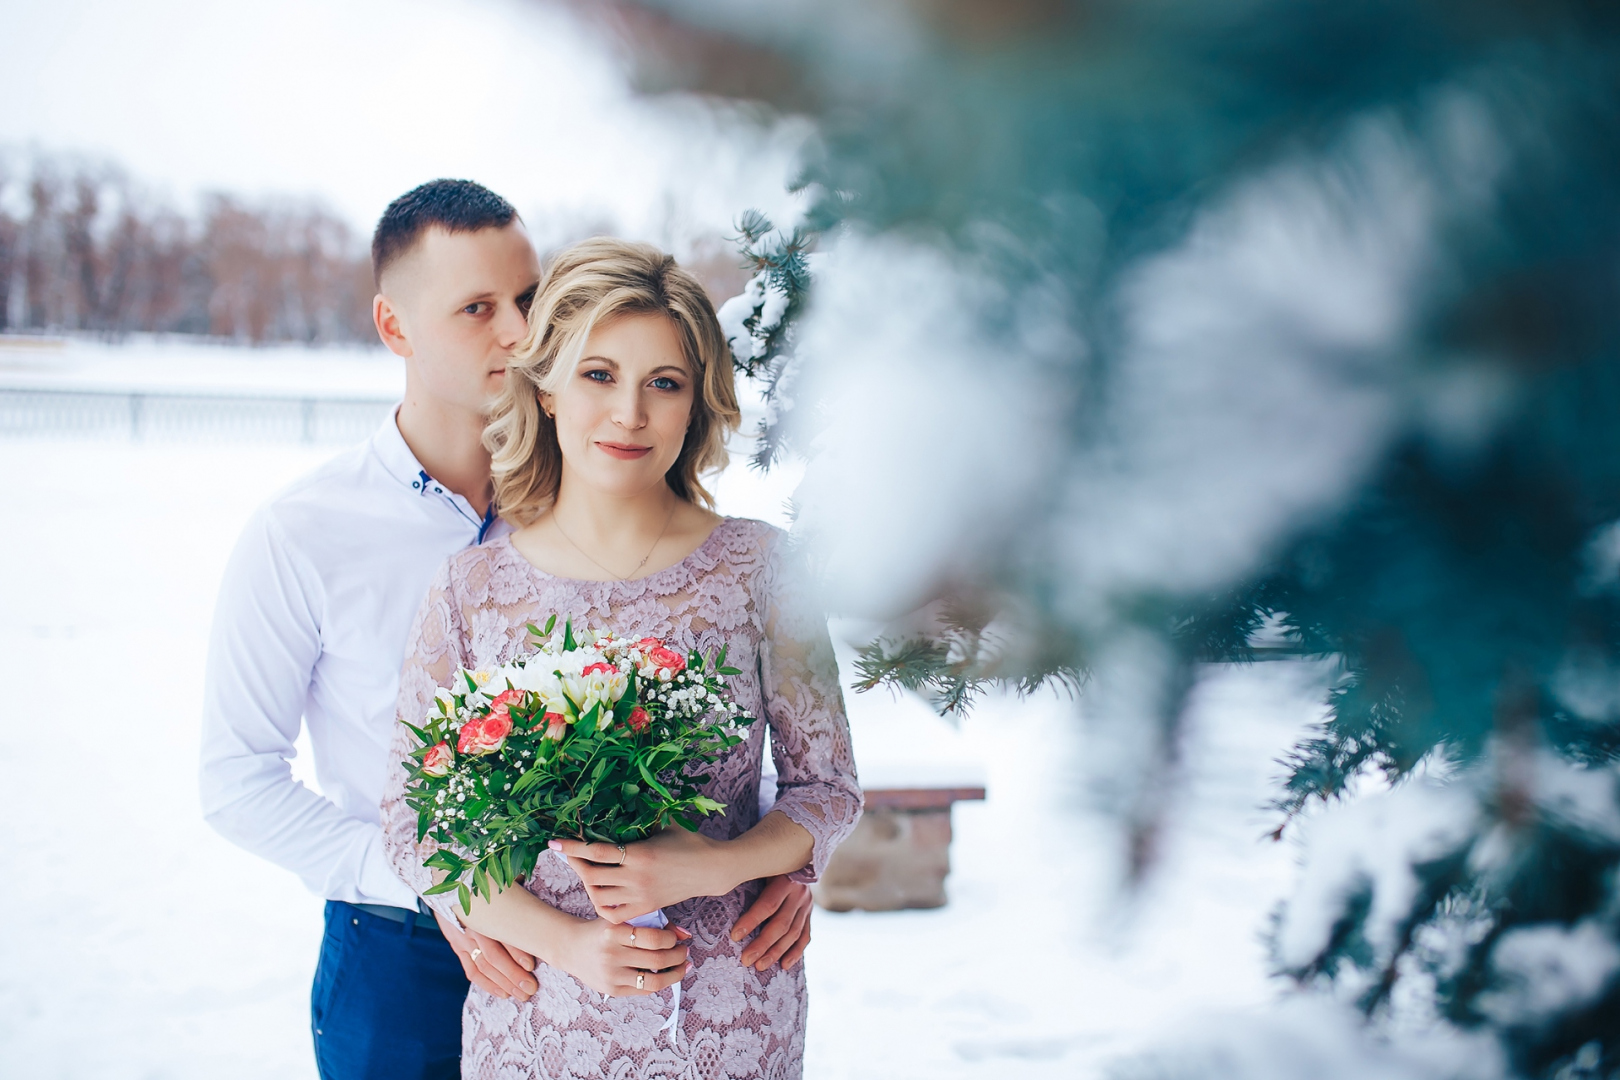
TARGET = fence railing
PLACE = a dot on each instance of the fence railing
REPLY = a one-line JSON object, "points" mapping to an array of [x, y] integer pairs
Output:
{"points": [[162, 416]]}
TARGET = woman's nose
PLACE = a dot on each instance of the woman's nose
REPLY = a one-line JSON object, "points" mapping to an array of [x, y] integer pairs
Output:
{"points": [[628, 412]]}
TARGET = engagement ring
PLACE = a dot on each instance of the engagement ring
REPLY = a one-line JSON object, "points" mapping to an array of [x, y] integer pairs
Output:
{"points": [[641, 982], [622, 853], [475, 954]]}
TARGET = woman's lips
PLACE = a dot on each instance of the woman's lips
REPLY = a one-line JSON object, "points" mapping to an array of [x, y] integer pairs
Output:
{"points": [[624, 452]]}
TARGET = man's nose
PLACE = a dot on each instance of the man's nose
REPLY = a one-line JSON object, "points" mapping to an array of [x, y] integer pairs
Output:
{"points": [[510, 325]]}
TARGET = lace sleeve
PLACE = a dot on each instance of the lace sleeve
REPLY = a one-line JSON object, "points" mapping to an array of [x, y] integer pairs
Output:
{"points": [[810, 742], [435, 649]]}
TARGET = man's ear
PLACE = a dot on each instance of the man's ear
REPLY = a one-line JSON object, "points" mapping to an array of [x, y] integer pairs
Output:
{"points": [[386, 317]]}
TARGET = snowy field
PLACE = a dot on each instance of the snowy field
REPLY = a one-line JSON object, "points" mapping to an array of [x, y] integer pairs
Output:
{"points": [[141, 945]]}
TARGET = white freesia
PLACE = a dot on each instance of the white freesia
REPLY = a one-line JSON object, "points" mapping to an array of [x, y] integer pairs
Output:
{"points": [[540, 677], [597, 688]]}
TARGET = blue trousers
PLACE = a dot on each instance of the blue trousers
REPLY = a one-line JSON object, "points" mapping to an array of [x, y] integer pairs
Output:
{"points": [[387, 999]]}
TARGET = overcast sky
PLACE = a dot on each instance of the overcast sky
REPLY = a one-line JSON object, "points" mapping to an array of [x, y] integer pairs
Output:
{"points": [[355, 101]]}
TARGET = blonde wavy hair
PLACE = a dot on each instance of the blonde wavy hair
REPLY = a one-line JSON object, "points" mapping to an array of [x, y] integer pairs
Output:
{"points": [[588, 285]]}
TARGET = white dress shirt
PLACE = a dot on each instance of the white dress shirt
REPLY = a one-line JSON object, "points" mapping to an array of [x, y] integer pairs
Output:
{"points": [[310, 627]]}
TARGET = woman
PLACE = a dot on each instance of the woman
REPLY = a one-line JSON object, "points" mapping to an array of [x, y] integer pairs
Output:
{"points": [[615, 405]]}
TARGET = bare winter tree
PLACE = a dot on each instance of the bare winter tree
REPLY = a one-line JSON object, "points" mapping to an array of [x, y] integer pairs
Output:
{"points": [[82, 249]]}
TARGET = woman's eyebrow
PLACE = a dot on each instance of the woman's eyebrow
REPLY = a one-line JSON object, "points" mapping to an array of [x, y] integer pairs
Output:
{"points": [[614, 364]]}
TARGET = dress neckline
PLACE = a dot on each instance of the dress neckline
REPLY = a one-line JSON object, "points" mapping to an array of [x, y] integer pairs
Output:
{"points": [[505, 540]]}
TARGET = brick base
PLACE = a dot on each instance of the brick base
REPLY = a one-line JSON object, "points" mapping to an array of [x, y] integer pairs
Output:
{"points": [[894, 859]]}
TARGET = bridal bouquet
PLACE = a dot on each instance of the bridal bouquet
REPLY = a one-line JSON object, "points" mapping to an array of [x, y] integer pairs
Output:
{"points": [[589, 736]]}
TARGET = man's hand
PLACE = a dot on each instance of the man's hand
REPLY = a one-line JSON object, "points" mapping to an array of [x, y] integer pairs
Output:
{"points": [[501, 970], [784, 909]]}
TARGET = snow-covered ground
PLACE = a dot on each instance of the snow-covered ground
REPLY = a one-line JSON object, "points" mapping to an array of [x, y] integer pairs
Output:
{"points": [[156, 364], [139, 944]]}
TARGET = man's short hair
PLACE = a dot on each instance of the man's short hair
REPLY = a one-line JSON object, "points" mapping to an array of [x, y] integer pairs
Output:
{"points": [[452, 205]]}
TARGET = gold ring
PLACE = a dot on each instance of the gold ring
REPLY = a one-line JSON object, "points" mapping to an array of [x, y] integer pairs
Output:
{"points": [[623, 855], [641, 982]]}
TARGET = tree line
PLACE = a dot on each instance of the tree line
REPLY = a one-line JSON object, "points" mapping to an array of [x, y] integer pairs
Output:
{"points": [[84, 249]]}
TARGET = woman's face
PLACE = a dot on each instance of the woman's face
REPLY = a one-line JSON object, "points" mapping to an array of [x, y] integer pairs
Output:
{"points": [[622, 413]]}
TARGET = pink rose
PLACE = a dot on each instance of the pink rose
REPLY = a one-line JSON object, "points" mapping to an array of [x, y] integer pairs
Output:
{"points": [[485, 736], [638, 720], [507, 698], [666, 658], [601, 666], [436, 762], [557, 725]]}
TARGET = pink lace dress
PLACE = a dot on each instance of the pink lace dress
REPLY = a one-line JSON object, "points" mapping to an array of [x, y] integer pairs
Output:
{"points": [[735, 1022]]}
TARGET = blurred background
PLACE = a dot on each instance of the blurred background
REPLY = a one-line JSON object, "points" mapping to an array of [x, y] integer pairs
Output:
{"points": [[1205, 415]]}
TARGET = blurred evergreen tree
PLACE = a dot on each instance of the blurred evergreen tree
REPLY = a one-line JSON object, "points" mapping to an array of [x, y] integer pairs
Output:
{"points": [[1465, 577]]}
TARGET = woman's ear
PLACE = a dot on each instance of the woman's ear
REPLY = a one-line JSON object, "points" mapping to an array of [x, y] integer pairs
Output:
{"points": [[546, 405]]}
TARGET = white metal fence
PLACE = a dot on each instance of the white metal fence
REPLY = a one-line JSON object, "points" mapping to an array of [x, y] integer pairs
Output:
{"points": [[160, 416]]}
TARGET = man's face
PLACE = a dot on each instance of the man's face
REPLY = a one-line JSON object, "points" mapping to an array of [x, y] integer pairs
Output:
{"points": [[455, 306]]}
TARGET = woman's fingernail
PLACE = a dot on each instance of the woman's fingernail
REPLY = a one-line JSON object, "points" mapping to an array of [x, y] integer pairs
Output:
{"points": [[684, 935], [554, 845]]}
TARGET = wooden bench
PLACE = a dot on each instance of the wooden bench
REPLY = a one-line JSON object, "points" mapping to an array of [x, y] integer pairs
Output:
{"points": [[899, 854]]}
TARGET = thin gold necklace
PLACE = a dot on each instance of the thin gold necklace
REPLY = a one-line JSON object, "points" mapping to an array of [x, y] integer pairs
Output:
{"points": [[622, 577]]}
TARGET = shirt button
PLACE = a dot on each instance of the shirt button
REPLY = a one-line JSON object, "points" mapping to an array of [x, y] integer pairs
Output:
{"points": [[356, 922]]}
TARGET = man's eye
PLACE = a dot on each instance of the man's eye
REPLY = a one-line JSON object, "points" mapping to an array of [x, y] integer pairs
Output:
{"points": [[525, 300], [476, 309]]}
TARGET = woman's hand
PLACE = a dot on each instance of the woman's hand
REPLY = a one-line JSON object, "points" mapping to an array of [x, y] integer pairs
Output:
{"points": [[649, 874], [624, 882], [609, 957]]}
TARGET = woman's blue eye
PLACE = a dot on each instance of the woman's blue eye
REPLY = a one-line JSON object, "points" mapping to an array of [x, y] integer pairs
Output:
{"points": [[664, 382], [592, 375]]}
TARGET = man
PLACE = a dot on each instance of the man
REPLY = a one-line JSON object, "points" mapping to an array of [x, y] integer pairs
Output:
{"points": [[310, 628]]}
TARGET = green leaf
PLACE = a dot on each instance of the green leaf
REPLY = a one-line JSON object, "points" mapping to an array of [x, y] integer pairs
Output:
{"points": [[652, 781], [447, 885], [729, 671], [466, 898], [447, 861], [550, 623], [568, 635]]}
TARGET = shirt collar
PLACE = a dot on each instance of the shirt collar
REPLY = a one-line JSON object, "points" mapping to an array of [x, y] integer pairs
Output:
{"points": [[396, 457], [390, 447]]}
